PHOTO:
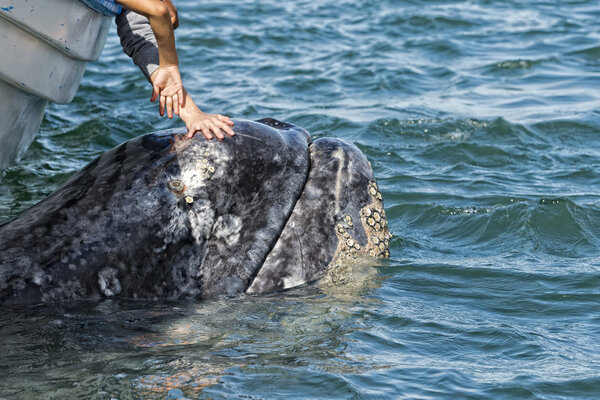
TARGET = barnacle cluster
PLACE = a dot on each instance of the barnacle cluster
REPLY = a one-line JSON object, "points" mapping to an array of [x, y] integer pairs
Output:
{"points": [[206, 169], [178, 188], [375, 218], [347, 249], [348, 246], [375, 242], [376, 224], [374, 191]]}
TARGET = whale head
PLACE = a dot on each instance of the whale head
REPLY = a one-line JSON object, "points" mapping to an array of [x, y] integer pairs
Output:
{"points": [[162, 216]]}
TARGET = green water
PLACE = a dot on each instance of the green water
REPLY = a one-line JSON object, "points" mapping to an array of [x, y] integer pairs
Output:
{"points": [[482, 122]]}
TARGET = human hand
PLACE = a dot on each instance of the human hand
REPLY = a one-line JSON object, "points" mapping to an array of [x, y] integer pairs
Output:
{"points": [[173, 12], [166, 84], [209, 124]]}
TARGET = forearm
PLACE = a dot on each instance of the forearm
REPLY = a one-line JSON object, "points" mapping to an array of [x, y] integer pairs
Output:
{"points": [[138, 41], [189, 108], [160, 20]]}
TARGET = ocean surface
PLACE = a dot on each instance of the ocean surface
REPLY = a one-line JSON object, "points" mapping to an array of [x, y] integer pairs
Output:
{"points": [[482, 122]]}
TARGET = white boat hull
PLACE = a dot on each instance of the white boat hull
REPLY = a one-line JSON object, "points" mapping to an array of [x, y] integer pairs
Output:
{"points": [[44, 47]]}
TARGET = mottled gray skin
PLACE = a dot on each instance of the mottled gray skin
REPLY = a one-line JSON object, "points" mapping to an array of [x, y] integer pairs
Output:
{"points": [[161, 216], [117, 229], [336, 188]]}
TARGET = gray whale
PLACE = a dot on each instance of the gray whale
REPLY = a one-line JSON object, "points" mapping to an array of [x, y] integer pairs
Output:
{"points": [[161, 216]]}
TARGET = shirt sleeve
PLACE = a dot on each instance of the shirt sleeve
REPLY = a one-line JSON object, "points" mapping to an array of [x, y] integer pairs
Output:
{"points": [[138, 41]]}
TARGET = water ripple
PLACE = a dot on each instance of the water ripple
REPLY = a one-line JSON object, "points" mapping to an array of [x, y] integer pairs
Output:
{"points": [[481, 121]]}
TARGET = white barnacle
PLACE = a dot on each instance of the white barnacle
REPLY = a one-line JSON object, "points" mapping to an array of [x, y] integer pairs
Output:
{"points": [[357, 246], [349, 242], [189, 199], [378, 227], [377, 216], [176, 186], [371, 221], [350, 224], [38, 278], [108, 281], [375, 240], [211, 169], [368, 212], [381, 246], [372, 191], [157, 250]]}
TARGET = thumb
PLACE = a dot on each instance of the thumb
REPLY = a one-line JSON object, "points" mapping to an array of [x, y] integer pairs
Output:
{"points": [[155, 93]]}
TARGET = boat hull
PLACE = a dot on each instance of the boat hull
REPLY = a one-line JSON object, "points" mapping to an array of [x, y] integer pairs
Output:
{"points": [[47, 44]]}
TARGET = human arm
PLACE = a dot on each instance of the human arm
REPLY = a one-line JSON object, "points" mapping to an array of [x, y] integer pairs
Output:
{"points": [[167, 83], [139, 43]]}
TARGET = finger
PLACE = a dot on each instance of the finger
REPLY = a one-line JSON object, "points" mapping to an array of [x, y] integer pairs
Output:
{"points": [[161, 106], [206, 132], [155, 92], [225, 128], [216, 130], [225, 119], [170, 107], [173, 12], [176, 17], [190, 133], [175, 104]]}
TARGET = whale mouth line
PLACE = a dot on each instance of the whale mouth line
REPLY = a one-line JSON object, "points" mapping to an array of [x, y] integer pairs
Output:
{"points": [[252, 278]]}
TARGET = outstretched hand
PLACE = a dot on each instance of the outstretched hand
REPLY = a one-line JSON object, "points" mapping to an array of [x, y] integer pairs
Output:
{"points": [[209, 124], [198, 121], [167, 85]]}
